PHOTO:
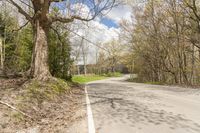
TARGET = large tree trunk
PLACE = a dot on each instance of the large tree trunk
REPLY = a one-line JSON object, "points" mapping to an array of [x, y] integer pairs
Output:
{"points": [[39, 65], [1, 57]]}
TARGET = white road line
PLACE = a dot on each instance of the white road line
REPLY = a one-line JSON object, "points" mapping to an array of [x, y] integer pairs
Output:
{"points": [[91, 128]]}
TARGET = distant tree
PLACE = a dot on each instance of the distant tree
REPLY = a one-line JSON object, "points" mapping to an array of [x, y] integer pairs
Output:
{"points": [[23, 50], [7, 24], [163, 41], [115, 50]]}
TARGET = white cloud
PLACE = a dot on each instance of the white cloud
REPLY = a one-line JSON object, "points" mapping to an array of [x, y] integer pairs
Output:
{"points": [[82, 10], [97, 32], [120, 12]]}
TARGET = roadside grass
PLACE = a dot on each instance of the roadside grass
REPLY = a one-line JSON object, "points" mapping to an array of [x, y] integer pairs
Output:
{"points": [[137, 80], [154, 83], [88, 78], [112, 74]]}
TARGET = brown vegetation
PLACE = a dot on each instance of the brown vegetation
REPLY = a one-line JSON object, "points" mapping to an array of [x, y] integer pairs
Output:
{"points": [[164, 39], [50, 106]]}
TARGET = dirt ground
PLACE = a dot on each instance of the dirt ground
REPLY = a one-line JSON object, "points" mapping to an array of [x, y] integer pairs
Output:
{"points": [[47, 116]]}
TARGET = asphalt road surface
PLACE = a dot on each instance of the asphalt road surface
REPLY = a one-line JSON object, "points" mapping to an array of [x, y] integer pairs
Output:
{"points": [[122, 107]]}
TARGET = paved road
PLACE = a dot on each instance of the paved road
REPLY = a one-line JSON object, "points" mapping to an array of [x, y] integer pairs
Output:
{"points": [[122, 107]]}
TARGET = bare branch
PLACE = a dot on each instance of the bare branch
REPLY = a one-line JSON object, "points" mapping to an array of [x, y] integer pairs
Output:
{"points": [[15, 30], [26, 4], [57, 0], [12, 107], [96, 10], [57, 33], [194, 9], [20, 9], [71, 19]]}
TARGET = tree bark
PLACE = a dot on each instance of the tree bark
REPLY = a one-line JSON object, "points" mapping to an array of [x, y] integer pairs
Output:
{"points": [[1, 58], [39, 65]]}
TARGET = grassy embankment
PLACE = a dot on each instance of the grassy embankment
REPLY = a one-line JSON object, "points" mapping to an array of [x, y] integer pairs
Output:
{"points": [[39, 104], [88, 78]]}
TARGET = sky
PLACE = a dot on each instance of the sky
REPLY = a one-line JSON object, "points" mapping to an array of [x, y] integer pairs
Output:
{"points": [[113, 18], [107, 23], [100, 30]]}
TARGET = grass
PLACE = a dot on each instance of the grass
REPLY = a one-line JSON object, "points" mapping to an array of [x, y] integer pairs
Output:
{"points": [[34, 96], [85, 79], [112, 74], [47, 90], [39, 92], [154, 83], [136, 80], [18, 117]]}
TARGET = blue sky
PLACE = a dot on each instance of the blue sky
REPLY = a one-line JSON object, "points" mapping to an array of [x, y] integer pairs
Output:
{"points": [[109, 22]]}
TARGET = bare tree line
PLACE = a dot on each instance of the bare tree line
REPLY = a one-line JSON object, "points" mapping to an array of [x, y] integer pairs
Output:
{"points": [[164, 41]]}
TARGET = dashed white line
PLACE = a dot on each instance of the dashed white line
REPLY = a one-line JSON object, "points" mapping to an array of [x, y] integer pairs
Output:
{"points": [[91, 127]]}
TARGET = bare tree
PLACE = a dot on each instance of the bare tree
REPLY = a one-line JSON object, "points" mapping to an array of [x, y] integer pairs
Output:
{"points": [[114, 53], [44, 15], [164, 39]]}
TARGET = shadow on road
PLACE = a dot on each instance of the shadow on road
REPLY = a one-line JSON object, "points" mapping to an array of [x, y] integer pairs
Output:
{"points": [[116, 105]]}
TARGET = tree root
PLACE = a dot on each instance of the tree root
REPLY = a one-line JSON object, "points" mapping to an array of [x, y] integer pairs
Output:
{"points": [[14, 108]]}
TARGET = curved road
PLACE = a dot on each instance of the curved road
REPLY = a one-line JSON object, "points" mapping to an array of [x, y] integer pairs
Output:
{"points": [[123, 107]]}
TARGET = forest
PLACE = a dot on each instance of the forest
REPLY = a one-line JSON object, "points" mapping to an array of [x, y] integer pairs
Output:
{"points": [[163, 41]]}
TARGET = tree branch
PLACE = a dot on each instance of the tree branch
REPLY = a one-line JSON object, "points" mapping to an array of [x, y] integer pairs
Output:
{"points": [[194, 9], [10, 106], [57, 0], [70, 19], [21, 27], [108, 5], [26, 4], [57, 33], [20, 9]]}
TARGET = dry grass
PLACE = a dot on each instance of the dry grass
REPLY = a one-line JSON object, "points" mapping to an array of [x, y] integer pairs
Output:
{"points": [[52, 105]]}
